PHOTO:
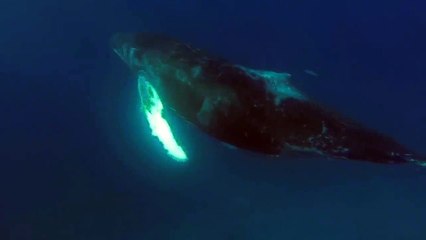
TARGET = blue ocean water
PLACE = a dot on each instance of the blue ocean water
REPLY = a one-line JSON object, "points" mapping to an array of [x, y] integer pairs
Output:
{"points": [[78, 161]]}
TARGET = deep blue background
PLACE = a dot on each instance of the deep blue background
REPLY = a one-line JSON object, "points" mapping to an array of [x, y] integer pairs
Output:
{"points": [[77, 161]]}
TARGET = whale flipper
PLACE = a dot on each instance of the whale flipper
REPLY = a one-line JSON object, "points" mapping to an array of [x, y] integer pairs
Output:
{"points": [[152, 107]]}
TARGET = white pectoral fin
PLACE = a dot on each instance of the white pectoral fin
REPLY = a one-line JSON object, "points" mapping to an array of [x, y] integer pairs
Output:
{"points": [[153, 110]]}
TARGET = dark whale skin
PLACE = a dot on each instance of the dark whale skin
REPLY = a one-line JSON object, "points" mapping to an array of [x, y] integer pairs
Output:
{"points": [[234, 104]]}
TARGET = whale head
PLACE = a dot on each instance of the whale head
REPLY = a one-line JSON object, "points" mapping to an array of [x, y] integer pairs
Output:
{"points": [[138, 50], [126, 46]]}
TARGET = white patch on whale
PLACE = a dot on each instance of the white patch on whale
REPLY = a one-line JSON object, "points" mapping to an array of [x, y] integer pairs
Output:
{"points": [[276, 83]]}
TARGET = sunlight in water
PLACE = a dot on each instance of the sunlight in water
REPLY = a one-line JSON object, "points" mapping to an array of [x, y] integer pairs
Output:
{"points": [[153, 108]]}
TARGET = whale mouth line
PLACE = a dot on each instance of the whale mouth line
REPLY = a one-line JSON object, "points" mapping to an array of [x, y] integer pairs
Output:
{"points": [[152, 107]]}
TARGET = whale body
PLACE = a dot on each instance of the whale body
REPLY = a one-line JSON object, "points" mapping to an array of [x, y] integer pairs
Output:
{"points": [[250, 109]]}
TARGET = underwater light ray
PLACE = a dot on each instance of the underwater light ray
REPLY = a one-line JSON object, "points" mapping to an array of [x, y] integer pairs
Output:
{"points": [[153, 109]]}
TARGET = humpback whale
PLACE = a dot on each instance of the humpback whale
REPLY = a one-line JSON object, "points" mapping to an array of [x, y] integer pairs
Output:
{"points": [[255, 110]]}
